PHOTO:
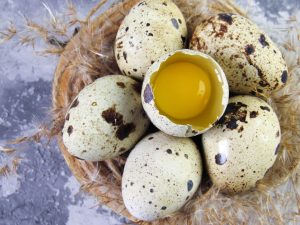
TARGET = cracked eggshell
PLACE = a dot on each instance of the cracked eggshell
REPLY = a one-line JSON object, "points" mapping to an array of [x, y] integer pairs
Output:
{"points": [[244, 144], [162, 122], [161, 174], [106, 119], [151, 29], [250, 59]]}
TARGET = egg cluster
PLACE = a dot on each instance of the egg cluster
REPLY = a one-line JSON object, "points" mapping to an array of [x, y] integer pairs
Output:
{"points": [[184, 93]]}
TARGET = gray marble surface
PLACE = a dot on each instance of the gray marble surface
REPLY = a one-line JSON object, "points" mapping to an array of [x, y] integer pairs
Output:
{"points": [[44, 191]]}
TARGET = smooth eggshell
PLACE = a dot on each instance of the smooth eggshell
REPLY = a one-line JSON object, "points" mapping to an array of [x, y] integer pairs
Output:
{"points": [[161, 174], [162, 122], [106, 119], [249, 58], [151, 29], [241, 148]]}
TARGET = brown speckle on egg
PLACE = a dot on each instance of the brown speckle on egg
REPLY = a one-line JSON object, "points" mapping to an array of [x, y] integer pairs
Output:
{"points": [[222, 31], [240, 129], [263, 83], [266, 108], [190, 185], [111, 116], [119, 45], [148, 96], [175, 23], [234, 112], [125, 56], [253, 114], [169, 151], [163, 208], [121, 84], [198, 43], [262, 40], [75, 103], [125, 130], [284, 76], [249, 49], [68, 116], [70, 130], [220, 159], [225, 17]]}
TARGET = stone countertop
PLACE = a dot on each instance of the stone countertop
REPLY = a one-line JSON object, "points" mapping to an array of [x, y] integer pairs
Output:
{"points": [[44, 191]]}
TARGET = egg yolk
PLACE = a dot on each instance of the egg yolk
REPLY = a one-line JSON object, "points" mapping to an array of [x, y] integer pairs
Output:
{"points": [[182, 90]]}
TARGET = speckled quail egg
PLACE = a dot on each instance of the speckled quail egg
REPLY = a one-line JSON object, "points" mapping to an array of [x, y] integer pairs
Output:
{"points": [[249, 58], [161, 174], [184, 93], [106, 119], [151, 29], [243, 145]]}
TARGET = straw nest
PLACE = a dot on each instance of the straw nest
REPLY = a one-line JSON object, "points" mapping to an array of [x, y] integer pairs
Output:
{"points": [[89, 55]]}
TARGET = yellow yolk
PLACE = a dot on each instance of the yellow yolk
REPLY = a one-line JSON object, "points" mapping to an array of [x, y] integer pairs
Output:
{"points": [[182, 90]]}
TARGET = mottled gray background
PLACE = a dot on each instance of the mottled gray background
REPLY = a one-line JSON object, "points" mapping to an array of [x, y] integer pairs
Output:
{"points": [[44, 191]]}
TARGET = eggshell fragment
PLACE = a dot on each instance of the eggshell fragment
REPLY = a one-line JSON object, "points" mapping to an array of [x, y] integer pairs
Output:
{"points": [[244, 144], [151, 29], [105, 120], [161, 174], [185, 128], [250, 59]]}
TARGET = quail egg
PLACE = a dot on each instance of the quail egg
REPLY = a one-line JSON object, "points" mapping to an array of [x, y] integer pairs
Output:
{"points": [[151, 29], [161, 174], [243, 145], [105, 120], [184, 93], [250, 59]]}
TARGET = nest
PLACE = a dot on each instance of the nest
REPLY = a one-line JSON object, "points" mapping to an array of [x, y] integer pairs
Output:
{"points": [[89, 55]]}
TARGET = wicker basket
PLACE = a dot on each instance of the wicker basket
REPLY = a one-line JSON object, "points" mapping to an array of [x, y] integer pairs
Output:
{"points": [[89, 55]]}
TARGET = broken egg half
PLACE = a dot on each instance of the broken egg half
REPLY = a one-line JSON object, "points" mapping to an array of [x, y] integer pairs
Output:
{"points": [[184, 93]]}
